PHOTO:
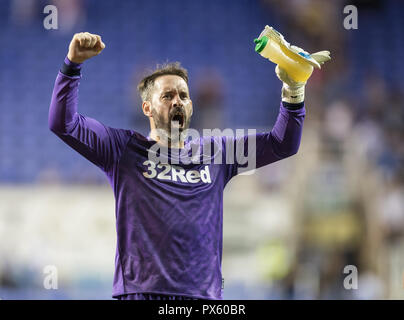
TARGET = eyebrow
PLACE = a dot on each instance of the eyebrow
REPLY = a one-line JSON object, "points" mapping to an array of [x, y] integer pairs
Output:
{"points": [[173, 90]]}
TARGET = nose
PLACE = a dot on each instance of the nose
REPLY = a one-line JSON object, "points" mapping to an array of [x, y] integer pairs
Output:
{"points": [[177, 101]]}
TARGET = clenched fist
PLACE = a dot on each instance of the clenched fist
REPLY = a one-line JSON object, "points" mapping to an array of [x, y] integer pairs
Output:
{"points": [[83, 46]]}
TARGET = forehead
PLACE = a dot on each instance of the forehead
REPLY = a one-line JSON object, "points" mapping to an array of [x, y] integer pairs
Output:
{"points": [[170, 82]]}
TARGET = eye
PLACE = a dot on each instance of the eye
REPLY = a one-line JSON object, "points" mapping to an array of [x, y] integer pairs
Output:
{"points": [[184, 96]]}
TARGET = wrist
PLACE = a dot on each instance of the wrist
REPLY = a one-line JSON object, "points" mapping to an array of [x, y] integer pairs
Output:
{"points": [[72, 63], [293, 94], [74, 60]]}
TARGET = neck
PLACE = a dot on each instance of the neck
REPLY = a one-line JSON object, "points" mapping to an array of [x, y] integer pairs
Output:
{"points": [[166, 141]]}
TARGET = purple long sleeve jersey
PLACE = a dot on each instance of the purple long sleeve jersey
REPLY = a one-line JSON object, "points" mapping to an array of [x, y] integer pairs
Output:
{"points": [[169, 218]]}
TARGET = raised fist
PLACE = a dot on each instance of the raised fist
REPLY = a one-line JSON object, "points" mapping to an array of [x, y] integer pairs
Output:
{"points": [[83, 46]]}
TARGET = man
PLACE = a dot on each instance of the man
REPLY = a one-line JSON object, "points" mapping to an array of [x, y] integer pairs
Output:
{"points": [[168, 217]]}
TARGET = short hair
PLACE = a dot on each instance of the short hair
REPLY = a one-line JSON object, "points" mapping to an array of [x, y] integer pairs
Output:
{"points": [[170, 68]]}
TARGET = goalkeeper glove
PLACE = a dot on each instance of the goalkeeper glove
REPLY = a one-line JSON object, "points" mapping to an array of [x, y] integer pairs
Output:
{"points": [[293, 91], [281, 52]]}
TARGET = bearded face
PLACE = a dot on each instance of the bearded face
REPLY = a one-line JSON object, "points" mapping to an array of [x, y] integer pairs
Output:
{"points": [[171, 107]]}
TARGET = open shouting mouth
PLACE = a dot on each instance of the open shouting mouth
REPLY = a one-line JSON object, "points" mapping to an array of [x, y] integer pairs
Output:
{"points": [[178, 119]]}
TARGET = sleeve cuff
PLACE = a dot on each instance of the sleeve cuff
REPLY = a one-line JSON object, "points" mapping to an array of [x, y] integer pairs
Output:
{"points": [[293, 106], [71, 69]]}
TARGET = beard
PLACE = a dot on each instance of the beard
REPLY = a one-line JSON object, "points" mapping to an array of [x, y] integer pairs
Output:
{"points": [[166, 128]]}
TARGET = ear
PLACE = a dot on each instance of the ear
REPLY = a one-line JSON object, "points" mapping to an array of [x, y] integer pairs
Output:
{"points": [[146, 107], [192, 108]]}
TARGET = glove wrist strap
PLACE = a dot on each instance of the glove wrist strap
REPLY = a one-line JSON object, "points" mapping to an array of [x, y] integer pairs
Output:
{"points": [[292, 94]]}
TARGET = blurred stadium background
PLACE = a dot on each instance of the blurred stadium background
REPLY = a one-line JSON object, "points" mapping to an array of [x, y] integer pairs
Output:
{"points": [[289, 229]]}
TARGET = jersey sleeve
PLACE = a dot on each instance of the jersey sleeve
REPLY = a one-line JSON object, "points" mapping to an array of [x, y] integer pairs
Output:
{"points": [[98, 143], [253, 151]]}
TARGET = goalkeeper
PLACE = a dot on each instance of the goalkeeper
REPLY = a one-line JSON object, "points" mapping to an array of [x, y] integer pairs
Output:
{"points": [[168, 217]]}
